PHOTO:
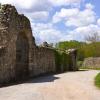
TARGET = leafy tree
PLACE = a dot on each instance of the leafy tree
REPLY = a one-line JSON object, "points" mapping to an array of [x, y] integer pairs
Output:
{"points": [[84, 49]]}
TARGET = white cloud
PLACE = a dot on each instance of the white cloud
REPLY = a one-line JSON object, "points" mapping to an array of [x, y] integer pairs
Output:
{"points": [[65, 14], [82, 20], [6, 1], [33, 9], [89, 6], [65, 2], [46, 32], [38, 10], [98, 21], [81, 32], [38, 16], [29, 5], [38, 5], [76, 17]]}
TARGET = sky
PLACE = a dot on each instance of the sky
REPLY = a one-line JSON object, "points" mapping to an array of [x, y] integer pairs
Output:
{"points": [[60, 20]]}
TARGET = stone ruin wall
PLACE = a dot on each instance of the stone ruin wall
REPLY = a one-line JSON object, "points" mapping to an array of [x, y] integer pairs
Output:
{"points": [[16, 33], [43, 61], [20, 58], [91, 62], [73, 57], [11, 25]]}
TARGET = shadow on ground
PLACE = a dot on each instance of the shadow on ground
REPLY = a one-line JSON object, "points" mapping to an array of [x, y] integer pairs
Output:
{"points": [[38, 79], [83, 70], [42, 79], [49, 78]]}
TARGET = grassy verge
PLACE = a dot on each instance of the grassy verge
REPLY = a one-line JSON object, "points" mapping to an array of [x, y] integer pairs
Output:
{"points": [[97, 80], [92, 68]]}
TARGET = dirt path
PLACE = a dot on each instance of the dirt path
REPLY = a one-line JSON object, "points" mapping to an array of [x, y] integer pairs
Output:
{"points": [[66, 86]]}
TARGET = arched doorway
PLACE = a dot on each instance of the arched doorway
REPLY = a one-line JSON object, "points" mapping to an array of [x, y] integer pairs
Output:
{"points": [[22, 57]]}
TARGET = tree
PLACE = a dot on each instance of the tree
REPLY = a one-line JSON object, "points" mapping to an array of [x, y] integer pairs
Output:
{"points": [[93, 49], [95, 37]]}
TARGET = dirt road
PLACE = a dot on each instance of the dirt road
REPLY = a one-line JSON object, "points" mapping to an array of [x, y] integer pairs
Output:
{"points": [[67, 86]]}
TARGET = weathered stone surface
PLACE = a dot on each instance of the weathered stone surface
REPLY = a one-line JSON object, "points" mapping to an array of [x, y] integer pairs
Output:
{"points": [[73, 56], [16, 37], [92, 62], [20, 58]]}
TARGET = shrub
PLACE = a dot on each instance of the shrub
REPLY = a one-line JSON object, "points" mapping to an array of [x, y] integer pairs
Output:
{"points": [[97, 80], [79, 64]]}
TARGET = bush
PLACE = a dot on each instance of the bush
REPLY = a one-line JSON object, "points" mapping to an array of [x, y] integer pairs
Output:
{"points": [[97, 80], [79, 64]]}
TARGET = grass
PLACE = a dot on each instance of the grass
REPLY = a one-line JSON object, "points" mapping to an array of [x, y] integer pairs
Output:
{"points": [[92, 68], [97, 80]]}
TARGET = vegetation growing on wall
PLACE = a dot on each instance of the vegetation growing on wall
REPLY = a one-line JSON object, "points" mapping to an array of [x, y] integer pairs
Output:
{"points": [[63, 60]]}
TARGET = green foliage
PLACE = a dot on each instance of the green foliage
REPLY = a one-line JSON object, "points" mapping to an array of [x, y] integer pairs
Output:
{"points": [[92, 50], [72, 44], [68, 45], [97, 80], [79, 64], [62, 61], [89, 68], [84, 49], [58, 60]]}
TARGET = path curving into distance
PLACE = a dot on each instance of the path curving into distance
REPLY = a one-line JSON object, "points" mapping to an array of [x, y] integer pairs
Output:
{"points": [[66, 86]]}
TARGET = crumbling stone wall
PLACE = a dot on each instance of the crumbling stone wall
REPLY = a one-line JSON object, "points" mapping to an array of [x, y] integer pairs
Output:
{"points": [[20, 58], [15, 33], [92, 62], [43, 61], [73, 59]]}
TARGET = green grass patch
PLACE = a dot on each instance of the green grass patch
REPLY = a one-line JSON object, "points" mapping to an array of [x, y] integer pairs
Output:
{"points": [[97, 80], [90, 68]]}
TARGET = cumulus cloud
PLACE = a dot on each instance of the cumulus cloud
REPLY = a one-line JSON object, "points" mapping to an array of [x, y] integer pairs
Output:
{"points": [[64, 14], [33, 9], [38, 16], [76, 17], [98, 21], [39, 10], [89, 6], [84, 21], [81, 32], [29, 5], [47, 32], [39, 5], [65, 2]]}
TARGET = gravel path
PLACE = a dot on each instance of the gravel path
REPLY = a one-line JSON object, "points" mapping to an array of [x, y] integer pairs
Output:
{"points": [[67, 86]]}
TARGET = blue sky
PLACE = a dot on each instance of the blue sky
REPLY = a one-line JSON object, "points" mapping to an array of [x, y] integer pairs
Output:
{"points": [[96, 3], [60, 20]]}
